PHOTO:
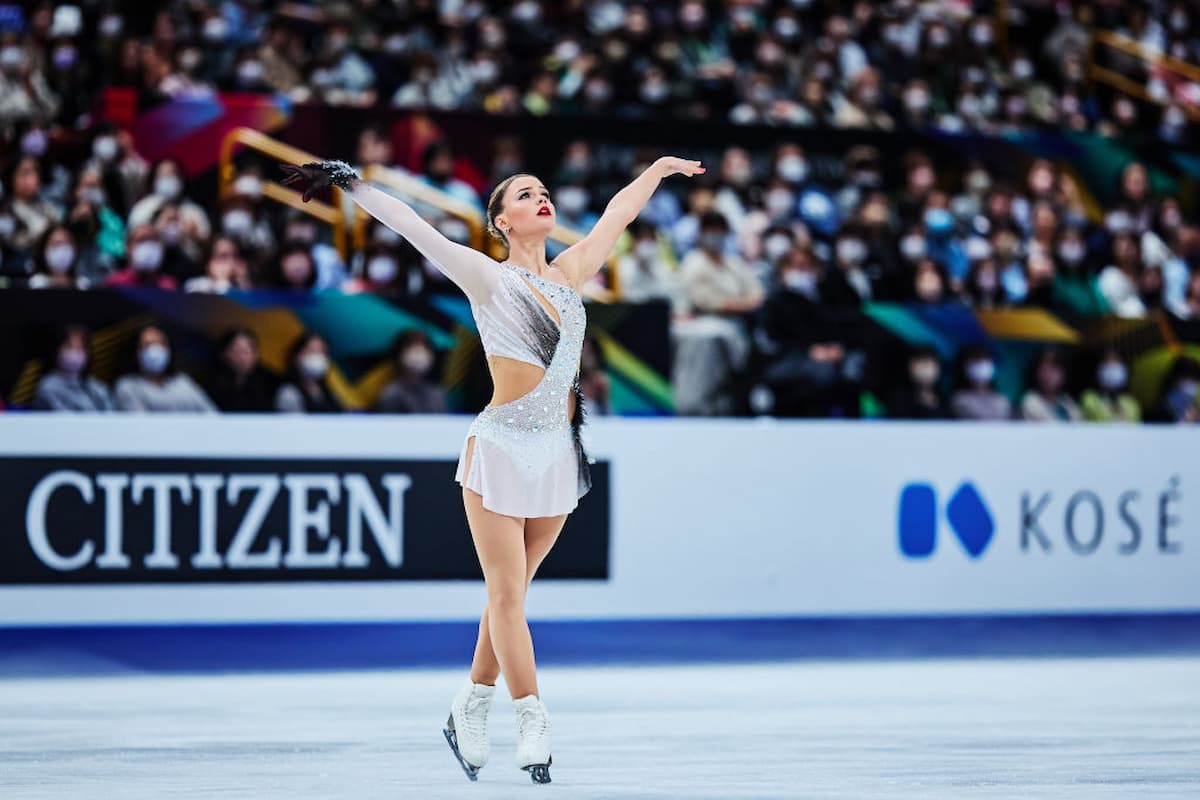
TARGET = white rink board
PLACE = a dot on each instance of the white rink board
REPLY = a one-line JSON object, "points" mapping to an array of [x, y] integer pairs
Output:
{"points": [[720, 518]]}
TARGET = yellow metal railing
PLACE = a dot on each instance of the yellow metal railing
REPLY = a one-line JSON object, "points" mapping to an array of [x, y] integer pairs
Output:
{"points": [[1135, 88], [273, 190]]}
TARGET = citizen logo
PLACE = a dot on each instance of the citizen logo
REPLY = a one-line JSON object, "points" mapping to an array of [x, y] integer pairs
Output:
{"points": [[213, 521]]}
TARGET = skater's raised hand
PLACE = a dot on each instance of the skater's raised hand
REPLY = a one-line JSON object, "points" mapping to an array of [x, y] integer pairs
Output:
{"points": [[317, 175], [670, 165]]}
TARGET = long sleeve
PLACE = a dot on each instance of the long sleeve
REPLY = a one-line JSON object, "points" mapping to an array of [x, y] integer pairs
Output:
{"points": [[473, 272]]}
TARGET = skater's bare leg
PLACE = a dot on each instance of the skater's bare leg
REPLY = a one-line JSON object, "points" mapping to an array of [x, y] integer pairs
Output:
{"points": [[540, 535]]}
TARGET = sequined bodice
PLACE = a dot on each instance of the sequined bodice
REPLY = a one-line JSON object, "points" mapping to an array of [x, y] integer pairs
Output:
{"points": [[514, 323]]}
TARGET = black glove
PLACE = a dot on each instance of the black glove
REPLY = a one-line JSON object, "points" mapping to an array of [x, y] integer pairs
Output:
{"points": [[319, 174]]}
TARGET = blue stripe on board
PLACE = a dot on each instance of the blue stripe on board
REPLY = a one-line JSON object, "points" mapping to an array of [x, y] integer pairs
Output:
{"points": [[331, 646]]}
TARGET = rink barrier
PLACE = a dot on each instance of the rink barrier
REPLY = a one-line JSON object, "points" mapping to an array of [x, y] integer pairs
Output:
{"points": [[44, 652], [152, 520]]}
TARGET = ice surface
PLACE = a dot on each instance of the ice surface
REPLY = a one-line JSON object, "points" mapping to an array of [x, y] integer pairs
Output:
{"points": [[1063, 728]]}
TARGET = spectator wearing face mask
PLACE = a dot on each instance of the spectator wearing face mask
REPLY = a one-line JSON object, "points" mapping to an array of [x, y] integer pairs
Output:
{"points": [[1045, 400], [56, 261], [412, 392], [124, 171], [644, 271], [167, 185], [68, 386], [225, 269], [849, 283], [154, 384], [144, 266], [1107, 400], [714, 280], [306, 389], [1075, 286], [712, 345], [240, 220], [239, 383], [95, 223], [571, 202], [1181, 389], [921, 396], [812, 367], [382, 274], [977, 398], [182, 257]]}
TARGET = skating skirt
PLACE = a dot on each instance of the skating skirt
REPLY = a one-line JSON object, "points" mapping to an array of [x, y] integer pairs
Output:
{"points": [[524, 463]]}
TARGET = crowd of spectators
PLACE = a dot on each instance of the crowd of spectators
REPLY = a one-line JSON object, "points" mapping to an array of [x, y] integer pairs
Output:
{"points": [[236, 381], [756, 259], [951, 64]]}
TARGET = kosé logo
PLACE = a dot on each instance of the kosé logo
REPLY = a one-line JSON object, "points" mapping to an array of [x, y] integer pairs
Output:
{"points": [[966, 513]]}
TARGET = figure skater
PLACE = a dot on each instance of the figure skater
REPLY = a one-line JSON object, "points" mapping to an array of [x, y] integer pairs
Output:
{"points": [[522, 465]]}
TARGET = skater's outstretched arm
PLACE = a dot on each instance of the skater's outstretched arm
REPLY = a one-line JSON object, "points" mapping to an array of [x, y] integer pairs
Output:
{"points": [[471, 270], [584, 259]]}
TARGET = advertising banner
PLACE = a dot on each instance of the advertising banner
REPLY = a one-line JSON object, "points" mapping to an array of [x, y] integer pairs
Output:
{"points": [[175, 519]]}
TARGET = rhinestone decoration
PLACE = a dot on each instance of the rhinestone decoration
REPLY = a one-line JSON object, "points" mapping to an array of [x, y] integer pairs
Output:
{"points": [[537, 439]]}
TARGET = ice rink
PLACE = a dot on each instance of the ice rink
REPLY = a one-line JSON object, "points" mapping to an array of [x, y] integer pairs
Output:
{"points": [[1000, 727]]}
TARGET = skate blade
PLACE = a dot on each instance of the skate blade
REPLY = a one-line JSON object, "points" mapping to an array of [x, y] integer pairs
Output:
{"points": [[452, 739], [539, 773]]}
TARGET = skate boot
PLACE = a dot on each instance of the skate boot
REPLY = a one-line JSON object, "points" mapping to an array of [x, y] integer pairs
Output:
{"points": [[466, 727], [533, 738]]}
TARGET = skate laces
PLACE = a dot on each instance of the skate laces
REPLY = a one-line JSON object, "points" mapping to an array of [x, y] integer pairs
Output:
{"points": [[475, 715], [532, 721]]}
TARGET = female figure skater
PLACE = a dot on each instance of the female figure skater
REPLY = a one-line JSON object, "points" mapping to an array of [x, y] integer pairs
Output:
{"points": [[522, 466]]}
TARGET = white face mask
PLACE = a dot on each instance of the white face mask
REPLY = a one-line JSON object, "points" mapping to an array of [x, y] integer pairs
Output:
{"points": [[146, 256], [800, 280], [646, 250], [572, 199], [105, 148], [775, 246], [1071, 252], [981, 371], [913, 247], [382, 269], [924, 373], [72, 360], [417, 359], [154, 358], [237, 222], [60, 257], [314, 365], [247, 186], [168, 186], [851, 251], [793, 169]]}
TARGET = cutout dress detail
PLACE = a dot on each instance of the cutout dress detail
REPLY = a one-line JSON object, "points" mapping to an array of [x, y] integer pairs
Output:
{"points": [[528, 459]]}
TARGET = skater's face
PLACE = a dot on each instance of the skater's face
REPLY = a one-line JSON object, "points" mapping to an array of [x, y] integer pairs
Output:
{"points": [[527, 208]]}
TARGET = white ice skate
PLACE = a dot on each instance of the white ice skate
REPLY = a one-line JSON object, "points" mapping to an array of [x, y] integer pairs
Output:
{"points": [[533, 738], [466, 727]]}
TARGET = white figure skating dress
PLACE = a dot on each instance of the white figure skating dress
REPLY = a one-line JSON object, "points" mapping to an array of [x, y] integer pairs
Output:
{"points": [[528, 458]]}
